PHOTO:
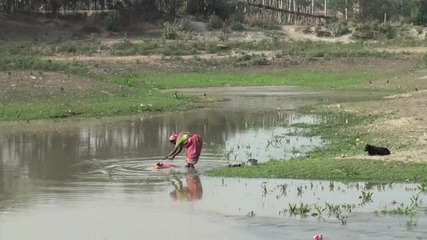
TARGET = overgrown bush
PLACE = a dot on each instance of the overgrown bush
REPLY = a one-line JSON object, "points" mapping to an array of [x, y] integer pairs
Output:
{"points": [[170, 31], [222, 36], [274, 36], [374, 30], [215, 22], [237, 26], [250, 60], [262, 23], [339, 29], [387, 30], [114, 21], [184, 25], [178, 29]]}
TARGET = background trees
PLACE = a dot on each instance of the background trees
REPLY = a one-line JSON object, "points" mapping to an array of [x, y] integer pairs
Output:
{"points": [[407, 11]]}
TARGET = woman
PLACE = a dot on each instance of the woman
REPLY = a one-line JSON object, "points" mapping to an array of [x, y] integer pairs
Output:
{"points": [[193, 143]]}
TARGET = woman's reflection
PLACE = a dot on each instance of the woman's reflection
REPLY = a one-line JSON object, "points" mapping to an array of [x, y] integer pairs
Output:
{"points": [[192, 192]]}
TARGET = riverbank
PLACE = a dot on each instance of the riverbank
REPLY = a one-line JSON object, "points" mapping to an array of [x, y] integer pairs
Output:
{"points": [[395, 122]]}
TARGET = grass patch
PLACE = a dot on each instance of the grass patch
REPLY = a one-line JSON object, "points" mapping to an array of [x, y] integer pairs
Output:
{"points": [[141, 93], [134, 100], [24, 62], [295, 77], [324, 163], [329, 169]]}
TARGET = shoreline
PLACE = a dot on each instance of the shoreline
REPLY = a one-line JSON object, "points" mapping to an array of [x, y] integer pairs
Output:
{"points": [[343, 159]]}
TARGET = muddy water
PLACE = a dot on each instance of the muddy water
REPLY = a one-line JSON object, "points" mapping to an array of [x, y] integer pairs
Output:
{"points": [[92, 180]]}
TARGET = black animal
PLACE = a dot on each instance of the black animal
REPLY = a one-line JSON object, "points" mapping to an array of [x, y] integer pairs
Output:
{"points": [[235, 165], [372, 150]]}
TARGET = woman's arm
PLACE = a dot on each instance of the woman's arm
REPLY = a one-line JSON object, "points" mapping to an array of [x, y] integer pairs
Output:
{"points": [[176, 150], [178, 146]]}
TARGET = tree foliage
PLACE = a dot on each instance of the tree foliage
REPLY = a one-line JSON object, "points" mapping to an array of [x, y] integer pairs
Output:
{"points": [[409, 11]]}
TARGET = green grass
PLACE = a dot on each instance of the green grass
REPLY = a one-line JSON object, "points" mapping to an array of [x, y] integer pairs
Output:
{"points": [[24, 62], [142, 93], [330, 169], [94, 106], [302, 78], [178, 47], [325, 163]]}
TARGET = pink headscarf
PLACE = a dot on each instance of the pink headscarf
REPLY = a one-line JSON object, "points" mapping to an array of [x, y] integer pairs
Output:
{"points": [[173, 137]]}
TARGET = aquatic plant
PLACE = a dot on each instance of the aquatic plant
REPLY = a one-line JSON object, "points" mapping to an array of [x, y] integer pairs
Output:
{"points": [[331, 186], [283, 188], [343, 220], [411, 223], [299, 191], [111, 173], [319, 210], [293, 209], [264, 189], [304, 209], [422, 187], [401, 210], [349, 207], [334, 209], [366, 197], [250, 214], [416, 201]]}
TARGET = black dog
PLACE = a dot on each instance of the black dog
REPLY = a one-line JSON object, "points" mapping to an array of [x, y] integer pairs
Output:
{"points": [[235, 165], [372, 150]]}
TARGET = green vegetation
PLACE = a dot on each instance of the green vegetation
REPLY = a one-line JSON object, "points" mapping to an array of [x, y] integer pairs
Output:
{"points": [[294, 77], [326, 163], [177, 47], [142, 93]]}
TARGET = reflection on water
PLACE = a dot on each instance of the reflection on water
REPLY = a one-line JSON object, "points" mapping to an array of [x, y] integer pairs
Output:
{"points": [[193, 191], [52, 155], [227, 209], [95, 181]]}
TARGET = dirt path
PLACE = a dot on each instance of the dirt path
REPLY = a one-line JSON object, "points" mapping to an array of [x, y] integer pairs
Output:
{"points": [[293, 34], [155, 58], [404, 49]]}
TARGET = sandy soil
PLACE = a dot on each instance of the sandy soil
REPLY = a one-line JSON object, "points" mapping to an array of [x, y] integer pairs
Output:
{"points": [[403, 118]]}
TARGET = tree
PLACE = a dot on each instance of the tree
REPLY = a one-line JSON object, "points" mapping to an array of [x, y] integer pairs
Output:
{"points": [[421, 16]]}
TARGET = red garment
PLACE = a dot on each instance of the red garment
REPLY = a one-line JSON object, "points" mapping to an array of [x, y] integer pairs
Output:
{"points": [[164, 166], [194, 147]]}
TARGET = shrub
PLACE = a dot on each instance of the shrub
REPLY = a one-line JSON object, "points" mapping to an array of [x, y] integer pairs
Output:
{"points": [[237, 26], [223, 36], [339, 29], [215, 22], [262, 23], [114, 21], [274, 36], [184, 25], [170, 30], [387, 30]]}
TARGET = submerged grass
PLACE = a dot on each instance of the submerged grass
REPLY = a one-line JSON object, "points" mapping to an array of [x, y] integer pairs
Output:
{"points": [[326, 164]]}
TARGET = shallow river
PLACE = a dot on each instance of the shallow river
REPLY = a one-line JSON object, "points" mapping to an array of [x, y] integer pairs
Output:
{"points": [[92, 180]]}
